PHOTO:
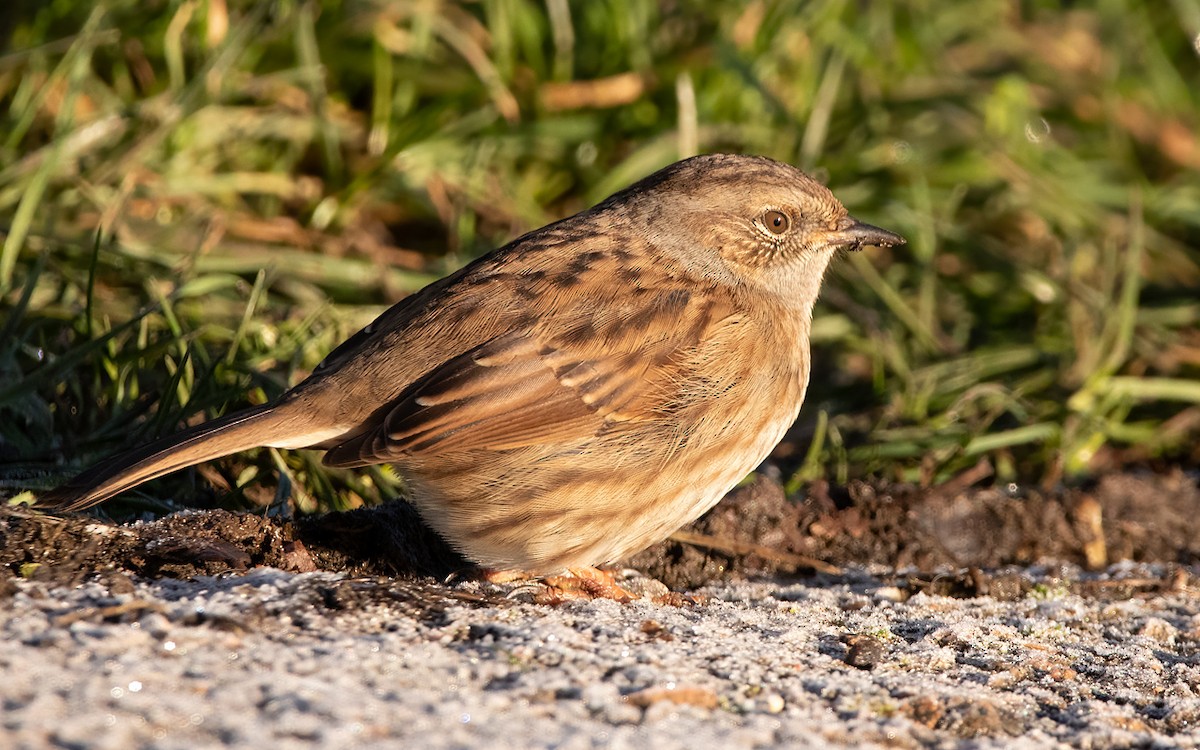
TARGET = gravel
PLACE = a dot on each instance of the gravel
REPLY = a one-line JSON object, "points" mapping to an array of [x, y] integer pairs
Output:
{"points": [[299, 660]]}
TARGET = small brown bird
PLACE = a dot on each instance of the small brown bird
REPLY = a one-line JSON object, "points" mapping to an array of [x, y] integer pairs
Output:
{"points": [[580, 393]]}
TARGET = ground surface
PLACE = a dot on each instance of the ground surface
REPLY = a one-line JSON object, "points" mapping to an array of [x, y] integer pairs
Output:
{"points": [[957, 616]]}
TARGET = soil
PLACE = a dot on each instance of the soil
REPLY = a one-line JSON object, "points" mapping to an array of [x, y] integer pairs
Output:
{"points": [[755, 532]]}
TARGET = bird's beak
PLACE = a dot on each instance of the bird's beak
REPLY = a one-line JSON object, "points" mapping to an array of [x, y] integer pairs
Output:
{"points": [[854, 235]]}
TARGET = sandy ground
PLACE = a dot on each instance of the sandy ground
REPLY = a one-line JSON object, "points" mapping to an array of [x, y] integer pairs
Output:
{"points": [[277, 659]]}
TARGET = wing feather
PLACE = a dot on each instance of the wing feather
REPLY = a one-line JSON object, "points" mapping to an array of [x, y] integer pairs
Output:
{"points": [[541, 385]]}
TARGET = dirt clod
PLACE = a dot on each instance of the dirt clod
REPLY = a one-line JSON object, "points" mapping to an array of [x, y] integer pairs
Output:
{"points": [[865, 651]]}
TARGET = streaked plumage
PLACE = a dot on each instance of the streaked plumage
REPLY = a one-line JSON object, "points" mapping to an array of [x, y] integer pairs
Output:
{"points": [[580, 393]]}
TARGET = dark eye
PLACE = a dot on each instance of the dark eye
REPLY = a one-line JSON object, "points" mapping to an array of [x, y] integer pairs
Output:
{"points": [[776, 222]]}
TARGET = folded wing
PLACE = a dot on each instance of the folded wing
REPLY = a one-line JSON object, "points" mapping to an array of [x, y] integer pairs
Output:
{"points": [[550, 384]]}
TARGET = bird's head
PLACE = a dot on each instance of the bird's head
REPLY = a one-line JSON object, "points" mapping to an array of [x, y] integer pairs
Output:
{"points": [[749, 219]]}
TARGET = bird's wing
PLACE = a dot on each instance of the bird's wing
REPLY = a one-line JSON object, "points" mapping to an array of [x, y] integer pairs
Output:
{"points": [[595, 370]]}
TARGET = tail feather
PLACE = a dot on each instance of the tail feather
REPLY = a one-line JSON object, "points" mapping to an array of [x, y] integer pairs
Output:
{"points": [[220, 437]]}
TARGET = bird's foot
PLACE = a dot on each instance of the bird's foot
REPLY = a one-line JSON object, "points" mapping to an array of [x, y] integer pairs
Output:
{"points": [[585, 584]]}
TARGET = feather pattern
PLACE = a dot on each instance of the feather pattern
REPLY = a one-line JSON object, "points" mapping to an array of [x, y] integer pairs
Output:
{"points": [[581, 392]]}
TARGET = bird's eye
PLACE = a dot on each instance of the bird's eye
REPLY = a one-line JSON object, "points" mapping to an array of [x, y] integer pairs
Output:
{"points": [[776, 222]]}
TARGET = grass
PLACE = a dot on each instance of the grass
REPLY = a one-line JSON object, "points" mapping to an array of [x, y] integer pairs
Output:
{"points": [[200, 198]]}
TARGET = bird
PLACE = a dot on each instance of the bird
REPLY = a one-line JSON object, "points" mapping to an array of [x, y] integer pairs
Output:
{"points": [[580, 393]]}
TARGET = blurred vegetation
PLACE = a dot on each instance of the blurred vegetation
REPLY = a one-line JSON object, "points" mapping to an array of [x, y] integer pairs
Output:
{"points": [[200, 198]]}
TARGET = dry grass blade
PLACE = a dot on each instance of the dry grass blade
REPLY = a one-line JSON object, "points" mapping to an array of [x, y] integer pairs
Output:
{"points": [[737, 547]]}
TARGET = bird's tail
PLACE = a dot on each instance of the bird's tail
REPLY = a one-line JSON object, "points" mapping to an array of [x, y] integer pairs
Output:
{"points": [[220, 437]]}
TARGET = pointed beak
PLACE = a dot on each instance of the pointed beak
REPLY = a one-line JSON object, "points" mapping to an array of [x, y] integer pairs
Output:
{"points": [[854, 235]]}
